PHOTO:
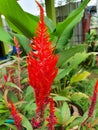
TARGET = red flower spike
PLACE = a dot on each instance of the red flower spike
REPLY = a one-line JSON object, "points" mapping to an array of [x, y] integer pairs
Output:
{"points": [[96, 87], [41, 65], [19, 67], [52, 120], [5, 78], [93, 102], [94, 99], [35, 123], [16, 45], [17, 118]]}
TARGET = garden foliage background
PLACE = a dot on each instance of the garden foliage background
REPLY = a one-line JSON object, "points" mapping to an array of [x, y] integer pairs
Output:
{"points": [[75, 87]]}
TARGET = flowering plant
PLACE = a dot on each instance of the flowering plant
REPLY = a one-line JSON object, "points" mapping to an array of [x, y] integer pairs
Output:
{"points": [[44, 107]]}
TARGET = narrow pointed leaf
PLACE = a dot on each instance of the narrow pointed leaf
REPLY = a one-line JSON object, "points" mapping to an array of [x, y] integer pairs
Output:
{"points": [[13, 85], [26, 123]]}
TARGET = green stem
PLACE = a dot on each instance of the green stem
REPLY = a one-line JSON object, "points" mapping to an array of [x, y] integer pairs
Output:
{"points": [[50, 10]]}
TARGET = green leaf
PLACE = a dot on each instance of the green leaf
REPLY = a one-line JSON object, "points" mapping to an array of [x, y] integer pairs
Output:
{"points": [[25, 80], [59, 116], [12, 85], [5, 36], [2, 106], [50, 24], [65, 112], [26, 123], [13, 97], [3, 111], [24, 42], [77, 96], [28, 90], [10, 126], [19, 20], [72, 118], [30, 107], [79, 76], [78, 121], [60, 98], [64, 29]]}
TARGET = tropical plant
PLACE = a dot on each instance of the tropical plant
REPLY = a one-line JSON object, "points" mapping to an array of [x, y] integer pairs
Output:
{"points": [[36, 104]]}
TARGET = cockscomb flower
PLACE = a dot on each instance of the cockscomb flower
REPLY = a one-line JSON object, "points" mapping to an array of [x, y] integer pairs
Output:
{"points": [[94, 99], [16, 116], [93, 102], [52, 120], [5, 78], [41, 65]]}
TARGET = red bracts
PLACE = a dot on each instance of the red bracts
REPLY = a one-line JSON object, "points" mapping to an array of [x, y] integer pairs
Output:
{"points": [[41, 65]]}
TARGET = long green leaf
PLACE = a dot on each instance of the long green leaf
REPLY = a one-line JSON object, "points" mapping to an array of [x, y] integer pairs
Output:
{"points": [[18, 19], [64, 29], [13, 85], [60, 98], [26, 123], [65, 112]]}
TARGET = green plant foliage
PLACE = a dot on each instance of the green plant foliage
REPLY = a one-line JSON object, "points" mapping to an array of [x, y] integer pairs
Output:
{"points": [[5, 36], [19, 20], [78, 121], [12, 11], [26, 123], [12, 85], [79, 76], [64, 29], [10, 126], [71, 64], [63, 114], [70, 86], [60, 98], [69, 52], [81, 99]]}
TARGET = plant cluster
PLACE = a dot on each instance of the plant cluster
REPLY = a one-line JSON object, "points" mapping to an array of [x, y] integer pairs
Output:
{"points": [[50, 87]]}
